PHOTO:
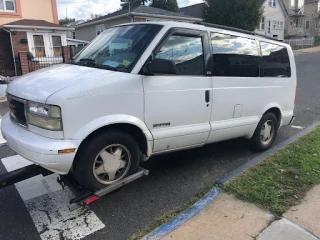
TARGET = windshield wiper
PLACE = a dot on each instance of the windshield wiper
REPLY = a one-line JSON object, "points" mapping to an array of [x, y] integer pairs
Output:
{"points": [[89, 62], [108, 67]]}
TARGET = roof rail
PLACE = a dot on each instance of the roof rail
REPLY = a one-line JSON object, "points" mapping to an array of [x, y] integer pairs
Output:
{"points": [[234, 29]]}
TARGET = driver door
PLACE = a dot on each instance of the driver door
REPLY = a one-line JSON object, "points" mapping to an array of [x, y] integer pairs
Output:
{"points": [[178, 105]]}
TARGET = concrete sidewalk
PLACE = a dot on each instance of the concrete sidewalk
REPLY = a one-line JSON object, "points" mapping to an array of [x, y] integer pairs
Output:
{"points": [[229, 218], [308, 50]]}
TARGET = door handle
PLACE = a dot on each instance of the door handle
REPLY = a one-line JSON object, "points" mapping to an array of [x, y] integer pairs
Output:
{"points": [[207, 96]]}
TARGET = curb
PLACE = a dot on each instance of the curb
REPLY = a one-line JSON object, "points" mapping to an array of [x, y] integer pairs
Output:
{"points": [[190, 212], [184, 216], [263, 155]]}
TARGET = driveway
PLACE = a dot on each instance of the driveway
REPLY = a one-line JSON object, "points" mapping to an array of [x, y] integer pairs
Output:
{"points": [[174, 178]]}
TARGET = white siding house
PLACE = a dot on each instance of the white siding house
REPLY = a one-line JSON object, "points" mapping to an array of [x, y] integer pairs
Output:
{"points": [[273, 20]]}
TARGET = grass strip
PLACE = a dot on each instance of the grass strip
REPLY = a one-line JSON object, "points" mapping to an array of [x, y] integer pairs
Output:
{"points": [[169, 216], [282, 179]]}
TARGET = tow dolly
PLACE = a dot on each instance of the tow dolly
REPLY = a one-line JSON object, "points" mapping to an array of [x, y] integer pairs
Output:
{"points": [[82, 196]]}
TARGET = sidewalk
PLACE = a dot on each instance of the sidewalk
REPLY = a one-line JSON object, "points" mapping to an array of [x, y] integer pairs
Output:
{"points": [[229, 218], [308, 50]]}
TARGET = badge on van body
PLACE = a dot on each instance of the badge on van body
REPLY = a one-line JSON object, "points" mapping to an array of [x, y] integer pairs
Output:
{"points": [[161, 125]]}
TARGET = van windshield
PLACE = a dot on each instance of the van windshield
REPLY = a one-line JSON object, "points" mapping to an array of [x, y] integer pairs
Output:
{"points": [[117, 48]]}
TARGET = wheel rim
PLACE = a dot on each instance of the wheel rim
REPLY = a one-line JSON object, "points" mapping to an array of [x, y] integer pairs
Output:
{"points": [[267, 132], [111, 164]]}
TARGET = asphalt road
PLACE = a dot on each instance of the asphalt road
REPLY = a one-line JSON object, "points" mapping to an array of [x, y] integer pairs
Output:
{"points": [[174, 178]]}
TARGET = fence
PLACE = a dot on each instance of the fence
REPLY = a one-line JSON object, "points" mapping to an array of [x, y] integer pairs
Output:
{"points": [[38, 63], [301, 42]]}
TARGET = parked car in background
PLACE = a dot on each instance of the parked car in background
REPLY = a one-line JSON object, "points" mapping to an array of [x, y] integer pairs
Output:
{"points": [[142, 89]]}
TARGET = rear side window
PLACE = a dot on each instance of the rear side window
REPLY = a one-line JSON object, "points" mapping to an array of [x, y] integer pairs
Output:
{"points": [[276, 61], [235, 56]]}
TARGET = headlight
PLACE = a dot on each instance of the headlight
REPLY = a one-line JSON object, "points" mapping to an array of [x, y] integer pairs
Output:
{"points": [[44, 110], [44, 116]]}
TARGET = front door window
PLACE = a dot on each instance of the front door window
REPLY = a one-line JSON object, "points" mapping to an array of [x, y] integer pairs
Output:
{"points": [[39, 46], [56, 42]]}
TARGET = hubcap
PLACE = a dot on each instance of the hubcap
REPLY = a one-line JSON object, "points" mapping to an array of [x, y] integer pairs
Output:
{"points": [[111, 164], [267, 131]]}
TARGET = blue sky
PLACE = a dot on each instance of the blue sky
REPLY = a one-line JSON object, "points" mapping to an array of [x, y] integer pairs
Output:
{"points": [[82, 9]]}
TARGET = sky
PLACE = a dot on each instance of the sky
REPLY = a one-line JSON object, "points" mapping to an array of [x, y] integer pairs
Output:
{"points": [[82, 9]]}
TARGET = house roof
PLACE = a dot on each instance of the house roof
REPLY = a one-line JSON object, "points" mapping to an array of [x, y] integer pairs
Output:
{"points": [[195, 10], [33, 22], [75, 23], [140, 10]]}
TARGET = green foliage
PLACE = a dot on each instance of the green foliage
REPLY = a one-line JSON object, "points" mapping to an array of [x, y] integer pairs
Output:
{"points": [[133, 3], [169, 5], [243, 14], [283, 179], [66, 21]]}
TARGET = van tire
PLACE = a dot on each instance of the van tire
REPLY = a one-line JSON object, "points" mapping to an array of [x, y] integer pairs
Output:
{"points": [[260, 141], [119, 150]]}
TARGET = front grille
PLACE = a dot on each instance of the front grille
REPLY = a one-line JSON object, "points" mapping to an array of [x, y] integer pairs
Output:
{"points": [[17, 110]]}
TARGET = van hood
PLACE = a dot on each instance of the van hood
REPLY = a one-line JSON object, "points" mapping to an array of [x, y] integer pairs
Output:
{"points": [[38, 86]]}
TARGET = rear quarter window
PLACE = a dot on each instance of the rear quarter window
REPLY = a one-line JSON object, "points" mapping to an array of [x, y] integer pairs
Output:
{"points": [[275, 59]]}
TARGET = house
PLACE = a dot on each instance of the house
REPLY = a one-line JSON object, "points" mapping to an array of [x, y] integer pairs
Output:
{"points": [[27, 30], [294, 21], [312, 17], [272, 22], [72, 33], [303, 18], [90, 29]]}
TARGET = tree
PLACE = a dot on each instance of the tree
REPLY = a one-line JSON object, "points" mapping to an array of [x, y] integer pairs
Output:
{"points": [[66, 21], [244, 14], [169, 5], [133, 3]]}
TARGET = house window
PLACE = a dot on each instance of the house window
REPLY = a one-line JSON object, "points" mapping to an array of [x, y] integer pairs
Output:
{"points": [[297, 22], [307, 24], [272, 3], [316, 24], [56, 43], [292, 3], [39, 46], [7, 6], [74, 35], [99, 29], [277, 25], [262, 24]]}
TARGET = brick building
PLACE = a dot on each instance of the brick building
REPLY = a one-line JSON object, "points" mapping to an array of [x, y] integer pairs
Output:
{"points": [[25, 29]]}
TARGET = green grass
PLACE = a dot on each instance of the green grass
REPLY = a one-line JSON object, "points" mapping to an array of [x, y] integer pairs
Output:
{"points": [[282, 179], [168, 216]]}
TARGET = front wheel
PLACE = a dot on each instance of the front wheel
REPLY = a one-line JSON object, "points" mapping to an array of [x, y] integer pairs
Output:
{"points": [[265, 133], [105, 159]]}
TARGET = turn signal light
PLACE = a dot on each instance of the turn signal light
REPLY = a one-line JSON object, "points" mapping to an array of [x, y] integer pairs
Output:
{"points": [[70, 150]]}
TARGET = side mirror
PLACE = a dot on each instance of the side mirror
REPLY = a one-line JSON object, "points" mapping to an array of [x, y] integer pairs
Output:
{"points": [[161, 66]]}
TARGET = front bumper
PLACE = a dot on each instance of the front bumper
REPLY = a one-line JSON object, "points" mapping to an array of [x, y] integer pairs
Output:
{"points": [[39, 150]]}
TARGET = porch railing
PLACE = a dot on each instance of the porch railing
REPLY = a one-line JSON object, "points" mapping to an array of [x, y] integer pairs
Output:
{"points": [[38, 63]]}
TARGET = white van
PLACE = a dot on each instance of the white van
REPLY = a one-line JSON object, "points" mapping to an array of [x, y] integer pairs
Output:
{"points": [[142, 89]]}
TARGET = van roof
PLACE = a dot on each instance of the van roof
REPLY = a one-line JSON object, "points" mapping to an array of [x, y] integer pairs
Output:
{"points": [[206, 26]]}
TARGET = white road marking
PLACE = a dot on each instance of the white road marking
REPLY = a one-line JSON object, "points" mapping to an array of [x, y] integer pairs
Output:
{"points": [[2, 140], [297, 127], [48, 206]]}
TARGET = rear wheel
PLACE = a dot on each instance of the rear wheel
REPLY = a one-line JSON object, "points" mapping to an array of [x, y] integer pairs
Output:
{"points": [[266, 132], [105, 159]]}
